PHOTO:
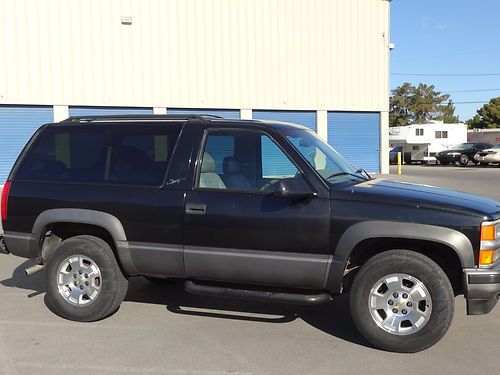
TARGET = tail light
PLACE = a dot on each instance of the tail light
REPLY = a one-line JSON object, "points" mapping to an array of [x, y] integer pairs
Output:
{"points": [[5, 199]]}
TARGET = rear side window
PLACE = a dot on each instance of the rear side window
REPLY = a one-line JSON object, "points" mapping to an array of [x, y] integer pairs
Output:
{"points": [[117, 154]]}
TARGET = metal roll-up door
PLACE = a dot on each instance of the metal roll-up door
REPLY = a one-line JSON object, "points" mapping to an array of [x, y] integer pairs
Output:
{"points": [[356, 135], [17, 125], [104, 111], [226, 113], [304, 118]]}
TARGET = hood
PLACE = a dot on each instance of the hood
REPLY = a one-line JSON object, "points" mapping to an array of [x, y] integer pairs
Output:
{"points": [[425, 196], [449, 150]]}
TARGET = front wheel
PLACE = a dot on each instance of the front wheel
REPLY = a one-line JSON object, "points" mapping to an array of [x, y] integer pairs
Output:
{"points": [[464, 160], [84, 281], [402, 301]]}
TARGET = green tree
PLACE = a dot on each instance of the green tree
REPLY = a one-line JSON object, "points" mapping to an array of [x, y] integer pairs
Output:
{"points": [[488, 116], [420, 104]]}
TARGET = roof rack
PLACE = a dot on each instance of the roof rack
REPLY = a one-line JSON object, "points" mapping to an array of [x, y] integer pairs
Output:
{"points": [[97, 118]]}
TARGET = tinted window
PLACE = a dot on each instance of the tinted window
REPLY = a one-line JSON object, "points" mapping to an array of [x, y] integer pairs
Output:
{"points": [[119, 154], [244, 160]]}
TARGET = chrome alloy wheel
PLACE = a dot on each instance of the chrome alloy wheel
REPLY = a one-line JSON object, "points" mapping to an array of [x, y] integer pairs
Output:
{"points": [[79, 280], [400, 304]]}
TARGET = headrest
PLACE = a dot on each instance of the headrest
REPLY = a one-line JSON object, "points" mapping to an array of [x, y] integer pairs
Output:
{"points": [[230, 165], [208, 163]]}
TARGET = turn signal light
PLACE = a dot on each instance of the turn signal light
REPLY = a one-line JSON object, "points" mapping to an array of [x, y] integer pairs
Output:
{"points": [[486, 257], [488, 232]]}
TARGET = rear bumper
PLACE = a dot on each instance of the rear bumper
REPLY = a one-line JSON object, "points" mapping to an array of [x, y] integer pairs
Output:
{"points": [[482, 289], [20, 244]]}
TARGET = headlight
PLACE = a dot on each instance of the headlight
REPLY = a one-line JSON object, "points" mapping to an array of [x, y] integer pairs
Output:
{"points": [[489, 251]]}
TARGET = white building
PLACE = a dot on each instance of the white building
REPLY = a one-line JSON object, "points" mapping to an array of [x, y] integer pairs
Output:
{"points": [[423, 141], [321, 63]]}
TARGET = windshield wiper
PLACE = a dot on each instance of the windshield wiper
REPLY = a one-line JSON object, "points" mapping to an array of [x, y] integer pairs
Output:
{"points": [[345, 174], [361, 171]]}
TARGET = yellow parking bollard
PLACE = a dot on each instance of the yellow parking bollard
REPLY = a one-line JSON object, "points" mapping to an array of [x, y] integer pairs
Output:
{"points": [[399, 163]]}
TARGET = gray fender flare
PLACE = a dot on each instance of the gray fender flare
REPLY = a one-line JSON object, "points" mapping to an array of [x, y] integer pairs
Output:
{"points": [[359, 232], [75, 215]]}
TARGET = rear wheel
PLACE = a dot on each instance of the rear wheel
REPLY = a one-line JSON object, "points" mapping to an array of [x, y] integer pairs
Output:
{"points": [[84, 281], [464, 160], [402, 301]]}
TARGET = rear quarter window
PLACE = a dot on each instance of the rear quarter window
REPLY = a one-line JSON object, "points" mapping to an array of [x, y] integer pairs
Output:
{"points": [[117, 154]]}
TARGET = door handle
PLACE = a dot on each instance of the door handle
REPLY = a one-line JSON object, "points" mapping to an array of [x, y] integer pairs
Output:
{"points": [[196, 208]]}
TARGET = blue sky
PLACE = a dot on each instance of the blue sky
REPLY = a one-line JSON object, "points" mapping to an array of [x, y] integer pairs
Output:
{"points": [[448, 37]]}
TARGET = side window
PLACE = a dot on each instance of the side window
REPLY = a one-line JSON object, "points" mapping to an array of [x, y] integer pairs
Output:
{"points": [[117, 154], [275, 164], [243, 160]]}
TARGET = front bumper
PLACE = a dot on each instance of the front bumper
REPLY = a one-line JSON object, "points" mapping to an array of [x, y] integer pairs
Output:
{"points": [[448, 158], [482, 289], [488, 158]]}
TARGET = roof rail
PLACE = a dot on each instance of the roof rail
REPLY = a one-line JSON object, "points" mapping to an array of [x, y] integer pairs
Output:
{"points": [[97, 118]]}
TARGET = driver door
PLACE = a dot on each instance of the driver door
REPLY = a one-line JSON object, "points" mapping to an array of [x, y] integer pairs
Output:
{"points": [[237, 230]]}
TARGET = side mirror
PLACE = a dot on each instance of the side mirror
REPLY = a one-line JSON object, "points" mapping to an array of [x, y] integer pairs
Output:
{"points": [[289, 189]]}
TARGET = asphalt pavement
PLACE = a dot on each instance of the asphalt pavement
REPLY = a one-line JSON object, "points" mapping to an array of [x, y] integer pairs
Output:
{"points": [[160, 329]]}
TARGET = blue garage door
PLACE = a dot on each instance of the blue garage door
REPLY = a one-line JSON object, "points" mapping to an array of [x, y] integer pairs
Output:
{"points": [[89, 111], [356, 135], [17, 125], [304, 118], [226, 113]]}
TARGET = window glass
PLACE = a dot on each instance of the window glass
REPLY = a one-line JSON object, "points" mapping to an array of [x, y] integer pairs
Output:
{"points": [[322, 157], [244, 160], [118, 154], [419, 132], [275, 164]]}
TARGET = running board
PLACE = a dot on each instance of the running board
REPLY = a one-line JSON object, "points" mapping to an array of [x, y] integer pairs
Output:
{"points": [[257, 295]]}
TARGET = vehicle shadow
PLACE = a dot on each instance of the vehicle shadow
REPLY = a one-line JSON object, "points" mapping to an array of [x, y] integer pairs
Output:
{"points": [[34, 283], [332, 318]]}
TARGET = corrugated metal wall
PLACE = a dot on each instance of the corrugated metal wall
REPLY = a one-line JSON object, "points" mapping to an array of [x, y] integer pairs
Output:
{"points": [[88, 111], [304, 118], [226, 113], [356, 136], [274, 54], [17, 125]]}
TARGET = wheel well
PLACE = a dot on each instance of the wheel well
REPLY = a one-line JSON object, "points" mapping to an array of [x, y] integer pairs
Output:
{"points": [[56, 232], [443, 255]]}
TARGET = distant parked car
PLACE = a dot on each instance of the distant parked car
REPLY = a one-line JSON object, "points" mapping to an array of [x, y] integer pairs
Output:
{"points": [[393, 155], [463, 153], [489, 155]]}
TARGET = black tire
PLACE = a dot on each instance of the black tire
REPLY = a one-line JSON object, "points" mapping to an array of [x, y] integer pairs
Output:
{"points": [[426, 271], [113, 286], [464, 160]]}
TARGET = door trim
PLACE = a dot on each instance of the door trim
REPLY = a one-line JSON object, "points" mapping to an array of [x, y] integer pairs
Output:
{"points": [[301, 270]]}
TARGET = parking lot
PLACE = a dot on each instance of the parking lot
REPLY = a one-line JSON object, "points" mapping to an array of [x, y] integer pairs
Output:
{"points": [[160, 329]]}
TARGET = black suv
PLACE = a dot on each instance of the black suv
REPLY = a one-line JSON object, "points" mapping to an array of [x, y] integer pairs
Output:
{"points": [[244, 209], [463, 153]]}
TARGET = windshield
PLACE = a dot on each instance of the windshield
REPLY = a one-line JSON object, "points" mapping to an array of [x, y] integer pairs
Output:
{"points": [[465, 146], [322, 157]]}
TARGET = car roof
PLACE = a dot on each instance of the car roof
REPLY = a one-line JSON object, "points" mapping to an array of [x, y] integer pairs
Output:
{"points": [[180, 119]]}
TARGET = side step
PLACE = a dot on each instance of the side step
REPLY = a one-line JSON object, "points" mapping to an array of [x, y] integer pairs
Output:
{"points": [[257, 295]]}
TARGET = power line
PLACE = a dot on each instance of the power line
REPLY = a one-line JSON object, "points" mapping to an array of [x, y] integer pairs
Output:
{"points": [[446, 75], [475, 90]]}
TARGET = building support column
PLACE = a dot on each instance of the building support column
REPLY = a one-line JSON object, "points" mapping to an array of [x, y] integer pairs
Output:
{"points": [[61, 112], [245, 114], [322, 124], [159, 111], [384, 142]]}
